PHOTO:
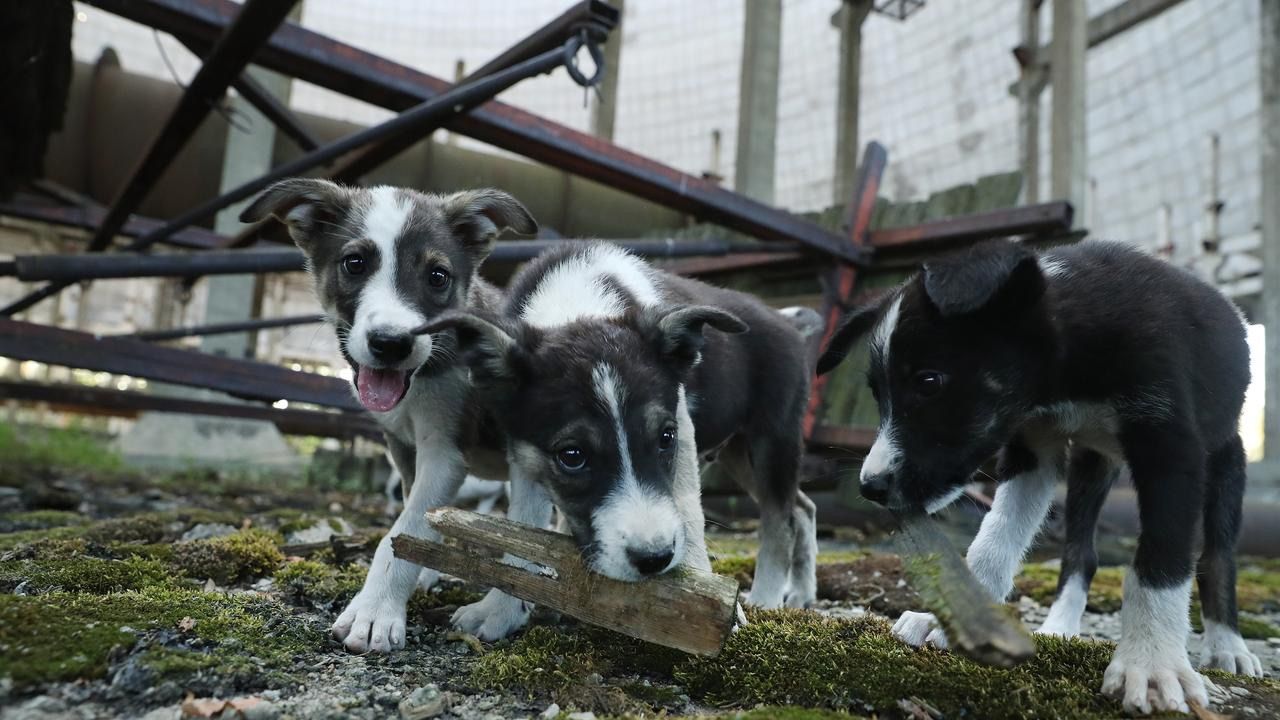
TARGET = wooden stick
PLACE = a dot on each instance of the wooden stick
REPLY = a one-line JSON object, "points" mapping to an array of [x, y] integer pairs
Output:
{"points": [[685, 609], [976, 626]]}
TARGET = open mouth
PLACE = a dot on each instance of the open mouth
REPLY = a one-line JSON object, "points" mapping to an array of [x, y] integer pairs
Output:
{"points": [[381, 390]]}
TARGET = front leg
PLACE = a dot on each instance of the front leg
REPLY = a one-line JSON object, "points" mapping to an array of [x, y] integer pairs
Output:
{"points": [[1150, 670], [995, 555], [375, 618], [498, 614]]}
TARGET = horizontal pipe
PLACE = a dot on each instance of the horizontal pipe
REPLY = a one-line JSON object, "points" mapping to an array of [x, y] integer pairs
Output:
{"points": [[223, 328], [125, 403], [74, 268]]}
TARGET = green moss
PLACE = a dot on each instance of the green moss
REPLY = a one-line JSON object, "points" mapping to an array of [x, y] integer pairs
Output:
{"points": [[785, 713], [39, 520], [1039, 581], [1258, 589], [543, 660], [240, 556], [790, 657], [69, 449], [1257, 629], [139, 528], [740, 568], [317, 583], [242, 636], [84, 575]]}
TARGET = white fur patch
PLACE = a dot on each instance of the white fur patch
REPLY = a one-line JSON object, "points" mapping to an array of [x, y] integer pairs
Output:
{"points": [[632, 517], [943, 500], [1054, 267], [884, 456], [576, 288], [1068, 607], [1017, 511], [381, 306], [1224, 649], [883, 331], [1150, 670]]}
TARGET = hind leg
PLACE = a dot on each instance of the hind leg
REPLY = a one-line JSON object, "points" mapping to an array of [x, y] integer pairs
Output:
{"points": [[803, 581], [1089, 479], [1216, 572], [775, 467]]}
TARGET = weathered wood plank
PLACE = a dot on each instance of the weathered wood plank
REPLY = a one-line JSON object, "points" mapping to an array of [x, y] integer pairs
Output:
{"points": [[688, 610], [976, 626]]}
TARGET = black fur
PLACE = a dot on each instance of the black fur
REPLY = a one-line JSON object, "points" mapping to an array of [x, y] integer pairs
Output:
{"points": [[1108, 327]]}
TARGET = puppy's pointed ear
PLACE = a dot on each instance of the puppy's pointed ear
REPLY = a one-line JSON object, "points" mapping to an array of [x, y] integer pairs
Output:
{"points": [[477, 217], [991, 275], [678, 332], [487, 349], [304, 205], [852, 328]]}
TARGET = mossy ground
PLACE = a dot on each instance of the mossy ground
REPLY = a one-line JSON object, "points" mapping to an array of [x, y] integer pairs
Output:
{"points": [[124, 596]]}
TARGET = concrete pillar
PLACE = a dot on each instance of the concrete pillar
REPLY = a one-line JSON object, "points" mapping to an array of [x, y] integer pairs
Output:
{"points": [[247, 156], [1070, 170], [604, 107], [758, 99], [848, 20], [1269, 129]]}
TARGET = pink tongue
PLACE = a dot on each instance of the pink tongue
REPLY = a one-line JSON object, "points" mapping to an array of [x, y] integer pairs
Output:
{"points": [[381, 390]]}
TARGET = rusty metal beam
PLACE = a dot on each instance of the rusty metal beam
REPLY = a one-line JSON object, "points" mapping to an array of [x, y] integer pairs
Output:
{"points": [[248, 27], [89, 217], [239, 378], [224, 328], [74, 268], [1031, 219], [327, 63], [125, 403]]}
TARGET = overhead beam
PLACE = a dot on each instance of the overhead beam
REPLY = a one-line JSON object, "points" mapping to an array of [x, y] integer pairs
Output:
{"points": [[1119, 19], [239, 378], [325, 62], [125, 403]]}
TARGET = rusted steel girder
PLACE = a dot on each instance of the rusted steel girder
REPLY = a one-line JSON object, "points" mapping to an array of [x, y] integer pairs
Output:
{"points": [[249, 26], [126, 403], [240, 378], [325, 62]]}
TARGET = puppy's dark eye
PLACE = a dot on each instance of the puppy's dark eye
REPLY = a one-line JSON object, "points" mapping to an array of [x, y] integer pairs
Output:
{"points": [[929, 383], [572, 458], [353, 264], [667, 440], [438, 278]]}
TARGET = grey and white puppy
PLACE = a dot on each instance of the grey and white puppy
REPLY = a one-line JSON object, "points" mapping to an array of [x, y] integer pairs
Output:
{"points": [[609, 377], [385, 261]]}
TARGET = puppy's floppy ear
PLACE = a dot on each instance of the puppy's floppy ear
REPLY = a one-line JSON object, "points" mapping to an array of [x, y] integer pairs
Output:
{"points": [[477, 217], [988, 275], [855, 325], [488, 350], [678, 331], [302, 204]]}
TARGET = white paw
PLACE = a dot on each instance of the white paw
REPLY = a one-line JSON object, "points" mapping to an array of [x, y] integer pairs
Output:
{"points": [[763, 598], [1224, 649], [918, 629], [372, 622], [799, 597], [427, 579], [1146, 680], [496, 616], [1061, 628]]}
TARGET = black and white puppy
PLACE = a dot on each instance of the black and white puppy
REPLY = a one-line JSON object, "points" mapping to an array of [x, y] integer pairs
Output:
{"points": [[609, 377], [1072, 364], [385, 261]]}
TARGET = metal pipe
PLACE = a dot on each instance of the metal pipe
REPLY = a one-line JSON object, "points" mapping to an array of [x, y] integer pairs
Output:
{"points": [[223, 328], [253, 25], [322, 61], [75, 268]]}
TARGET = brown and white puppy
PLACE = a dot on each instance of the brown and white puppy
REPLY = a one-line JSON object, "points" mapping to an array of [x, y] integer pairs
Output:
{"points": [[385, 261]]}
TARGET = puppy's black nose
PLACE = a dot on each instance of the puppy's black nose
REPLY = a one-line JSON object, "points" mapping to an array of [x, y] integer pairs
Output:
{"points": [[390, 347], [875, 488], [650, 563]]}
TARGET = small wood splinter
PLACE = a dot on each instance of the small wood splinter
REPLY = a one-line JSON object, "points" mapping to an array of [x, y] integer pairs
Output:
{"points": [[685, 609], [976, 627]]}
